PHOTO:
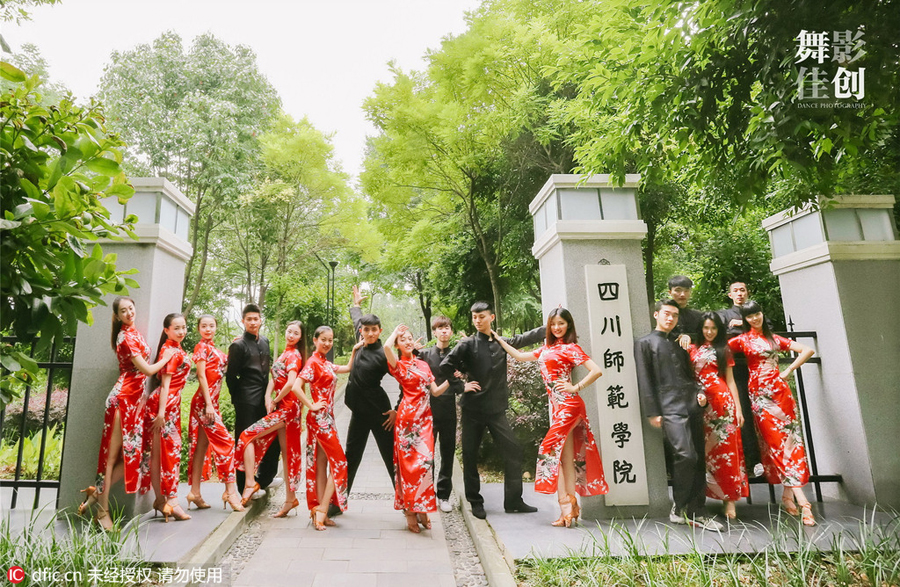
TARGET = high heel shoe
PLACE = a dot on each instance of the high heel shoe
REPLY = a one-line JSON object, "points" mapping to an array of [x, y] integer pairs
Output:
{"points": [[566, 518], [245, 499], [232, 499], [90, 497], [787, 502], [160, 505], [103, 520], [314, 517], [423, 520], [286, 508], [807, 518], [412, 522], [197, 500], [176, 512]]}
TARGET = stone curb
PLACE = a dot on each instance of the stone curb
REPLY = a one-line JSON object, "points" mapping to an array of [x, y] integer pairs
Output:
{"points": [[496, 560], [213, 549]]}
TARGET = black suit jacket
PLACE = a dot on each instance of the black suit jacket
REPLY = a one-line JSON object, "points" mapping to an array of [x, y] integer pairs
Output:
{"points": [[666, 381]]}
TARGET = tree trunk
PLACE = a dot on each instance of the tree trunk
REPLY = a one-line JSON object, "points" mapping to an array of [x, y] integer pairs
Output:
{"points": [[195, 234], [425, 304], [486, 252], [203, 258], [649, 250]]}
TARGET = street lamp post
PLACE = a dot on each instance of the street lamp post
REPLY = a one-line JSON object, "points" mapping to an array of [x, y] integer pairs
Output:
{"points": [[333, 317]]}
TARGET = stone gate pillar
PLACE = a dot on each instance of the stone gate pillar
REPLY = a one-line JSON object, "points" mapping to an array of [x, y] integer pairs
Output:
{"points": [[839, 270], [159, 254], [588, 243]]}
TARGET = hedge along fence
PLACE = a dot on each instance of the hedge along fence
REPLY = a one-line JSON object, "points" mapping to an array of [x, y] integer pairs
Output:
{"points": [[34, 416]]}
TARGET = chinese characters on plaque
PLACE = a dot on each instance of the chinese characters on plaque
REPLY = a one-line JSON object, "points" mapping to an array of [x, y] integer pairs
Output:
{"points": [[618, 427], [823, 48]]}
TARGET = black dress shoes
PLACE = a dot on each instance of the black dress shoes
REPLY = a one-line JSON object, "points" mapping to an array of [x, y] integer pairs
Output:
{"points": [[520, 508], [478, 511], [333, 510]]}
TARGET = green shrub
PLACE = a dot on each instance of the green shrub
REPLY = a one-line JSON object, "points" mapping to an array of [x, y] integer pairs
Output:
{"points": [[31, 452]]}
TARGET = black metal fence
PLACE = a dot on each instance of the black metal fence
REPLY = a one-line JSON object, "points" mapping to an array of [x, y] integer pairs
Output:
{"points": [[57, 363]]}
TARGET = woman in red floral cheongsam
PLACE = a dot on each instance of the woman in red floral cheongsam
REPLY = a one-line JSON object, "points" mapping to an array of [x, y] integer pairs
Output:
{"points": [[161, 462], [326, 464], [206, 430], [568, 458], [121, 442], [283, 420], [413, 431], [774, 408], [726, 478]]}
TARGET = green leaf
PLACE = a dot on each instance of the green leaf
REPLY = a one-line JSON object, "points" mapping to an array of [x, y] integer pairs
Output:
{"points": [[104, 166], [8, 224], [10, 363], [11, 72], [75, 244]]}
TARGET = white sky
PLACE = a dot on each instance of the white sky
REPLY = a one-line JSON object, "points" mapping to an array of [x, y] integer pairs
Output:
{"points": [[323, 56]]}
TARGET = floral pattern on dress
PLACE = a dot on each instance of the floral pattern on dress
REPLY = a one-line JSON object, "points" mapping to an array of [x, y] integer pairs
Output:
{"points": [[322, 431], [124, 399], [774, 410], [414, 439], [221, 443], [726, 477], [170, 434], [288, 411], [568, 414]]}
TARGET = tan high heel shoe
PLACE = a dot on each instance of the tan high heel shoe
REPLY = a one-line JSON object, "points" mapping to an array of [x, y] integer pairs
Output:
{"points": [[232, 499], [245, 499], [807, 518], [787, 502], [160, 505], [412, 523], [179, 514], [90, 498], [103, 520], [314, 517], [197, 500], [423, 520], [286, 508], [566, 518]]}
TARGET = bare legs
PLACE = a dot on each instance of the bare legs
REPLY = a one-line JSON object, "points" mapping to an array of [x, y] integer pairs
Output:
{"points": [[565, 487], [324, 490], [250, 485], [115, 470], [792, 494]]}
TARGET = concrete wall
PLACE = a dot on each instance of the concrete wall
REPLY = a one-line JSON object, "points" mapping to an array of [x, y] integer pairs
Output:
{"points": [[161, 277], [853, 396]]}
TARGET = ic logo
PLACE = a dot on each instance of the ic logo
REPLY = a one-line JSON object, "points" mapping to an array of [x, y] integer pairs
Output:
{"points": [[15, 574]]}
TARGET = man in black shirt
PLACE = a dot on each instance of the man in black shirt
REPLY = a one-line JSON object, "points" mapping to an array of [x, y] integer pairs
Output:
{"points": [[688, 328], [670, 399], [370, 407], [443, 407], [484, 361], [247, 375]]}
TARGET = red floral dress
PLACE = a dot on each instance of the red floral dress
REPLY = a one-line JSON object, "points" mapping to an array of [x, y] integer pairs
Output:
{"points": [[124, 399], [726, 478], [288, 411], [221, 443], [774, 410], [321, 431], [414, 439], [170, 435], [567, 415]]}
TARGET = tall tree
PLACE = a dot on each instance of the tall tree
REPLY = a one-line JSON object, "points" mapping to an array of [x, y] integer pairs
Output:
{"points": [[193, 117]]}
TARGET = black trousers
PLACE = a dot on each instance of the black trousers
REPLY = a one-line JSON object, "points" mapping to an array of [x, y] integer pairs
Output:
{"points": [[685, 436], [473, 427], [362, 422], [245, 415], [445, 437], [749, 438]]}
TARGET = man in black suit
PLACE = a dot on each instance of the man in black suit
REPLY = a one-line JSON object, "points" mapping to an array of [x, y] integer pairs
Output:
{"points": [[671, 399], [484, 361]]}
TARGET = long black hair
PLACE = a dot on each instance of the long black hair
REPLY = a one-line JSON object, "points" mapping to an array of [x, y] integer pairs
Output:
{"points": [[718, 343], [752, 307], [116, 323], [167, 321], [570, 336]]}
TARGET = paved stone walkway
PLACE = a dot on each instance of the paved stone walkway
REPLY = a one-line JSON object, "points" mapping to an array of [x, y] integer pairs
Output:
{"points": [[369, 547]]}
